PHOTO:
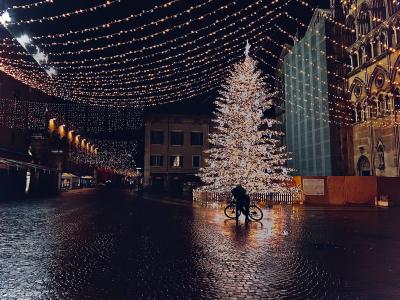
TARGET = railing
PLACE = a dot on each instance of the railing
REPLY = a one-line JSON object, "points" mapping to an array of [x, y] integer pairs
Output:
{"points": [[217, 198], [277, 198]]}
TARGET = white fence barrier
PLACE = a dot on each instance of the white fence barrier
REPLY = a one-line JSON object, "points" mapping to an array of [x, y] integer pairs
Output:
{"points": [[263, 198]]}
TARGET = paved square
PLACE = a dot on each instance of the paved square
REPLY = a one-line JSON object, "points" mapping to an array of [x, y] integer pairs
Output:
{"points": [[109, 244]]}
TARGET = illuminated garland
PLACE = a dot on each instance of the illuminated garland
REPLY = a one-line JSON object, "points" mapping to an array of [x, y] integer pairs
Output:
{"points": [[31, 5], [252, 30], [100, 83], [154, 90], [67, 14], [33, 116], [107, 25]]}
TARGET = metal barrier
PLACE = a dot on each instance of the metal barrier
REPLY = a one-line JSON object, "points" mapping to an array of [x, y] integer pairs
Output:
{"points": [[277, 198], [264, 198]]}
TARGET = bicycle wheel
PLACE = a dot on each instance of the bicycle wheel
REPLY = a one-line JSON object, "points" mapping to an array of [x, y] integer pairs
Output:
{"points": [[255, 213], [230, 211]]}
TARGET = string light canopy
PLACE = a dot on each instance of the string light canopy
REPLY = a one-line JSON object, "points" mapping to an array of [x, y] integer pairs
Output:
{"points": [[119, 54]]}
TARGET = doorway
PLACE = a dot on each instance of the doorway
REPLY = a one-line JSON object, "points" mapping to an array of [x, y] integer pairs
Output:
{"points": [[364, 166]]}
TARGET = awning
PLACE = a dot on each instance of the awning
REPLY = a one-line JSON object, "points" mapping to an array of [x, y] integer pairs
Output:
{"points": [[68, 175]]}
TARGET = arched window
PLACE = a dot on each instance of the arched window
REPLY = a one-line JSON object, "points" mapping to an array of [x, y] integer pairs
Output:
{"points": [[363, 113], [380, 155], [375, 47], [381, 106], [350, 37], [359, 113], [361, 58], [382, 42], [378, 12], [388, 104], [364, 20], [392, 37], [363, 166], [372, 108], [367, 111], [392, 7], [354, 115], [354, 60], [367, 52], [397, 99]]}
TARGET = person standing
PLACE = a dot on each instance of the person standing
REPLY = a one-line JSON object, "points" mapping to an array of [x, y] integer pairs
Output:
{"points": [[242, 201]]}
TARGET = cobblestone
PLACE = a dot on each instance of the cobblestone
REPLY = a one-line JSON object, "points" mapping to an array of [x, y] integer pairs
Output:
{"points": [[109, 244]]}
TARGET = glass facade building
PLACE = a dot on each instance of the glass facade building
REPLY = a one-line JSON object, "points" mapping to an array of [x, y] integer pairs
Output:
{"points": [[308, 135]]}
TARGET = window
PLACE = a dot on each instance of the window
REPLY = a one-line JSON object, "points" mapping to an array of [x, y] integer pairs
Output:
{"points": [[388, 104], [364, 20], [157, 137], [156, 161], [381, 156], [358, 90], [380, 80], [397, 99], [177, 138], [176, 161], [381, 105], [196, 161], [196, 138], [350, 36]]}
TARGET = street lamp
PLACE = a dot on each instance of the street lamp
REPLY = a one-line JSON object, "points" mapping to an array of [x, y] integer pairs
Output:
{"points": [[61, 130], [77, 140], [70, 136], [52, 124]]}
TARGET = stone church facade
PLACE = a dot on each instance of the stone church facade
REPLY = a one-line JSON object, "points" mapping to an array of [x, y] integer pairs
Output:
{"points": [[373, 42]]}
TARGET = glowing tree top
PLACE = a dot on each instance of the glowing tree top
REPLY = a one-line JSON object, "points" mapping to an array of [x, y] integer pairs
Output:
{"points": [[245, 146]]}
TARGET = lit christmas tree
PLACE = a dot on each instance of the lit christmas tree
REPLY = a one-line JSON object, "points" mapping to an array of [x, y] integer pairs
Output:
{"points": [[245, 146]]}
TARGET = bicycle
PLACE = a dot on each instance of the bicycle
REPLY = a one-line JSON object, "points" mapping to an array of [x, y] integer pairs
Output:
{"points": [[255, 213]]}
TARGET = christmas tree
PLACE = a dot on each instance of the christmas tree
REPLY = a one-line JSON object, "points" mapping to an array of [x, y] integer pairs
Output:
{"points": [[245, 147]]}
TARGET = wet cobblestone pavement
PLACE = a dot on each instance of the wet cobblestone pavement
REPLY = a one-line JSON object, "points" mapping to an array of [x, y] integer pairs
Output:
{"points": [[110, 244]]}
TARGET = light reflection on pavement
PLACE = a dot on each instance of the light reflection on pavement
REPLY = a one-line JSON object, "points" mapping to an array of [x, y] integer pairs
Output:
{"points": [[110, 244]]}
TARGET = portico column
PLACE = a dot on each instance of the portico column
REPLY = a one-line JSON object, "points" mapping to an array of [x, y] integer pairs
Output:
{"points": [[372, 49], [358, 58], [355, 113]]}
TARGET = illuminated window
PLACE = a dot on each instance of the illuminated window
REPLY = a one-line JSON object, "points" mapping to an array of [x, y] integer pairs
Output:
{"points": [[176, 161]]}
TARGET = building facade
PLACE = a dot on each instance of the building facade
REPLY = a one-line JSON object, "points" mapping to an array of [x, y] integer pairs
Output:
{"points": [[33, 152], [372, 41], [312, 115], [173, 154]]}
